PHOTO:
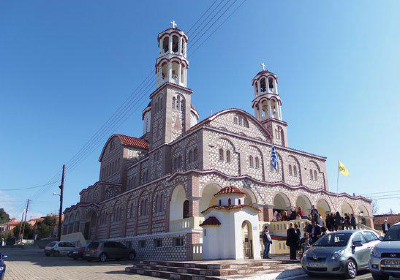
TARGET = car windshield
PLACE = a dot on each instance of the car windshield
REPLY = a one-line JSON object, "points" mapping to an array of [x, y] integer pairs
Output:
{"points": [[51, 244], [393, 234], [93, 245], [333, 240]]}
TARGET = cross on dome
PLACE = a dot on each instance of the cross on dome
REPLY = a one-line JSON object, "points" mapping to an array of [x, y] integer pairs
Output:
{"points": [[174, 24], [263, 66]]}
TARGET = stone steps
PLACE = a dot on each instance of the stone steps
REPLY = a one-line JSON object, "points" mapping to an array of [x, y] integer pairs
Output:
{"points": [[200, 271]]}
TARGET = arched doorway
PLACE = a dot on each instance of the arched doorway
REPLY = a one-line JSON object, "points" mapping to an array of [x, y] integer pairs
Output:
{"points": [[176, 205], [207, 197], [346, 209], [90, 225], [250, 198], [323, 208], [281, 202], [247, 237], [304, 203]]}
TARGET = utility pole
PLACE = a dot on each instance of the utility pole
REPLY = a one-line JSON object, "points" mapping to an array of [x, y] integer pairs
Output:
{"points": [[24, 220], [61, 202]]}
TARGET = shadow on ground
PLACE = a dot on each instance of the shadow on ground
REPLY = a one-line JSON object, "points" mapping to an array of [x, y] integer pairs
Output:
{"points": [[37, 257]]}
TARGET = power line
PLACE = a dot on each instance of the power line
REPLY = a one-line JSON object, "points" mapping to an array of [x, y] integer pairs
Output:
{"points": [[29, 188]]}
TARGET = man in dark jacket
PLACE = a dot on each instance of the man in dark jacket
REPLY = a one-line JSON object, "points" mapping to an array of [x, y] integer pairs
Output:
{"points": [[353, 221], [291, 241], [267, 241], [315, 231], [385, 226]]}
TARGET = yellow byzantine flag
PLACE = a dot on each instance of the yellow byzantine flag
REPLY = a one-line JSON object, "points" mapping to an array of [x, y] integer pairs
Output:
{"points": [[343, 169]]}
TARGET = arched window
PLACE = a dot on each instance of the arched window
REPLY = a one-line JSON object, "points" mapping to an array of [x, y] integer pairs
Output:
{"points": [[221, 154], [240, 201], [195, 154], [271, 83], [315, 175], [251, 162], [295, 170], [186, 209], [165, 44], [290, 170], [229, 201], [311, 175], [175, 43], [178, 102], [263, 85], [257, 162], [131, 211], [228, 156], [220, 202], [190, 156], [180, 161], [161, 203], [173, 102], [235, 120]]}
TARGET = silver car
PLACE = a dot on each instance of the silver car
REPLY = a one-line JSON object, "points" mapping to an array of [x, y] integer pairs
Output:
{"points": [[342, 252], [385, 256]]}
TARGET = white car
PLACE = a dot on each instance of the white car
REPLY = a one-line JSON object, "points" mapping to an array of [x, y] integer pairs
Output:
{"points": [[385, 256], [57, 248]]}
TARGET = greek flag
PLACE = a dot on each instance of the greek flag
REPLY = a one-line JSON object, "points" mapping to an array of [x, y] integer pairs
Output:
{"points": [[274, 158]]}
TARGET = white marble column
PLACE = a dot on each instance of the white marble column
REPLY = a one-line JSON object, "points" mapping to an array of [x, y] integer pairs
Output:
{"points": [[170, 44], [280, 112], [180, 46], [169, 78], [179, 74]]}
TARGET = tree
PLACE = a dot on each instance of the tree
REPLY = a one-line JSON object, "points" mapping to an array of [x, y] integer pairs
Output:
{"points": [[4, 217], [45, 228], [28, 231]]}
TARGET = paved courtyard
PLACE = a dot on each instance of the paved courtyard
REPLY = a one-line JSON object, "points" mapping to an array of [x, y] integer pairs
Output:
{"points": [[32, 265]]}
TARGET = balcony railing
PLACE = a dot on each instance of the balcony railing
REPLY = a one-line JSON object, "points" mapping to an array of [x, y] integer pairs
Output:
{"points": [[187, 223]]}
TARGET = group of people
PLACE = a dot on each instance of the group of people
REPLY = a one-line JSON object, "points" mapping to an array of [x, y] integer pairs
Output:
{"points": [[314, 228], [336, 222]]}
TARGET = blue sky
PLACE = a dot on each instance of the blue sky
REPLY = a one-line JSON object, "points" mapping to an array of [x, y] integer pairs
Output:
{"points": [[66, 66]]}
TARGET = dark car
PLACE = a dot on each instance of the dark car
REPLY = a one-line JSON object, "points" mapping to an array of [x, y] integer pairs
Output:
{"points": [[2, 266], [77, 253], [103, 251]]}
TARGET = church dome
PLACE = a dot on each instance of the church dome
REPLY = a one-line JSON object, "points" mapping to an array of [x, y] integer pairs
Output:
{"points": [[230, 190]]}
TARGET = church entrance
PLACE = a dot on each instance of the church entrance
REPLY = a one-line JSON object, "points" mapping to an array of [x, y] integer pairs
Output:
{"points": [[247, 240]]}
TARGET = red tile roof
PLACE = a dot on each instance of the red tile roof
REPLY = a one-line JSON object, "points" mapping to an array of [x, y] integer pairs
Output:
{"points": [[229, 190], [230, 207], [133, 141], [211, 221]]}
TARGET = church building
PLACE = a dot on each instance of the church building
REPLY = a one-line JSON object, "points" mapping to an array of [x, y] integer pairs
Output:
{"points": [[161, 192]]}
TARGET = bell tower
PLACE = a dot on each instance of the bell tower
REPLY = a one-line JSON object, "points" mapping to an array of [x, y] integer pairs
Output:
{"points": [[267, 105], [171, 101]]}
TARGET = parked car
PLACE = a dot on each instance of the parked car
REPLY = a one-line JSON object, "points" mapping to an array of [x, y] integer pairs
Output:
{"points": [[2, 266], [342, 252], [77, 253], [103, 251], [57, 248], [385, 256]]}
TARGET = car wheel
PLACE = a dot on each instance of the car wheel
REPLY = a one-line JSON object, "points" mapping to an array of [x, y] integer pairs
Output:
{"points": [[47, 254], [131, 256], [56, 253], [350, 269], [380, 276], [103, 257]]}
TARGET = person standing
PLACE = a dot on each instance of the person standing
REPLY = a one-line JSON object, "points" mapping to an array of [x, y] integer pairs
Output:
{"points": [[385, 226], [353, 221], [315, 232], [338, 221], [267, 240], [291, 241]]}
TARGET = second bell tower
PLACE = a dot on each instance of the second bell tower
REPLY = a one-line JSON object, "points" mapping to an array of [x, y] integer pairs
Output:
{"points": [[267, 105]]}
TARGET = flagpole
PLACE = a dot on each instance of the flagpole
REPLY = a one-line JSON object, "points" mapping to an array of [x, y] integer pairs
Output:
{"points": [[337, 183]]}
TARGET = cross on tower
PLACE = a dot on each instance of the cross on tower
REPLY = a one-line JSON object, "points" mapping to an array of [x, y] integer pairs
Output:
{"points": [[174, 25], [263, 65]]}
